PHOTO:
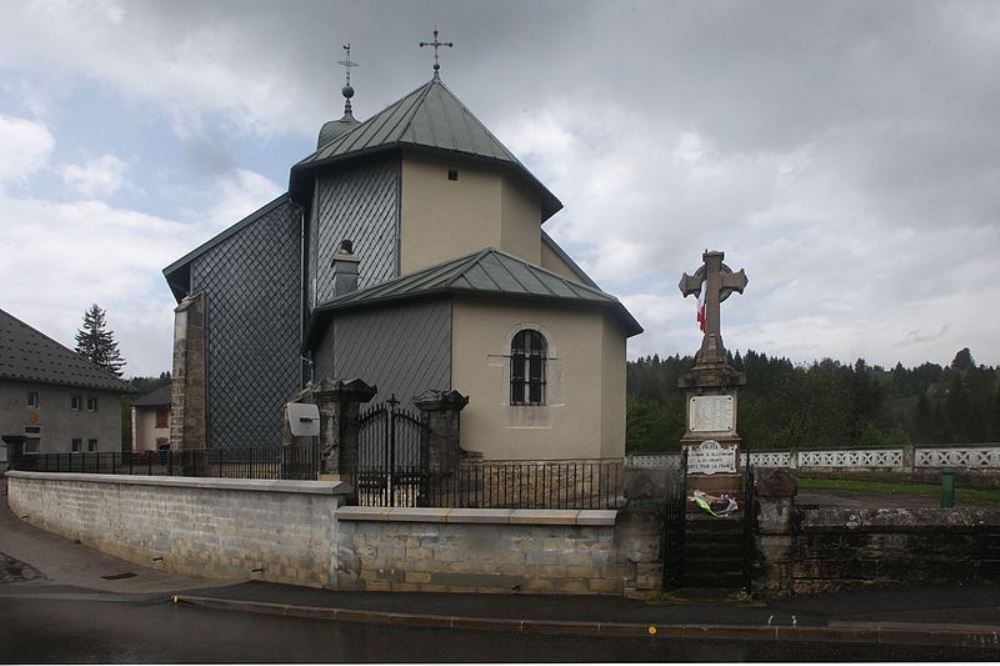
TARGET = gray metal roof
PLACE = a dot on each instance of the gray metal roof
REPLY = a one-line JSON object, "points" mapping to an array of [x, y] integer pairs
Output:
{"points": [[487, 272], [161, 397], [30, 356], [430, 117]]}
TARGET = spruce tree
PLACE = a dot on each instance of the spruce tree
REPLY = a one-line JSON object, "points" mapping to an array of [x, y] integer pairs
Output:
{"points": [[98, 345]]}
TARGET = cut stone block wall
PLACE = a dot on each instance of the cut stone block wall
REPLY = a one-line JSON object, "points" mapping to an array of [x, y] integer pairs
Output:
{"points": [[840, 549], [213, 528], [485, 550], [297, 532]]}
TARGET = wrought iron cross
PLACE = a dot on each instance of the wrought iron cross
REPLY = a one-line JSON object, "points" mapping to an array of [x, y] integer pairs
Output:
{"points": [[348, 63], [436, 44], [720, 281]]}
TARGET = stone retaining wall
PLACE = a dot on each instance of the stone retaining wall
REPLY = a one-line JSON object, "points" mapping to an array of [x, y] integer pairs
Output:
{"points": [[298, 532], [485, 550], [840, 549], [278, 531]]}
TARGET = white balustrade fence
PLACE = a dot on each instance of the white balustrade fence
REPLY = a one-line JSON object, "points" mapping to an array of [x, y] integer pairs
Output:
{"points": [[967, 457], [672, 460], [976, 457]]}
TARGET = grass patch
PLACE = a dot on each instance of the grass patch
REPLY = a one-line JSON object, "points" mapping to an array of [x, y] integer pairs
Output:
{"points": [[962, 495]]}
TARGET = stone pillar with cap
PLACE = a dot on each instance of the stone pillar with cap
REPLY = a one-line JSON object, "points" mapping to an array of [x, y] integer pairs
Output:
{"points": [[339, 403], [441, 444]]}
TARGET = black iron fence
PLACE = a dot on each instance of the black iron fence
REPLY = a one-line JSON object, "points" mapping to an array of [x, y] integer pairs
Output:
{"points": [[569, 484], [289, 462]]}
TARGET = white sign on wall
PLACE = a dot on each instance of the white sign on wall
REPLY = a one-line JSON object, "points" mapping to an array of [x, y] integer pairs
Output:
{"points": [[710, 457], [303, 419], [711, 413]]}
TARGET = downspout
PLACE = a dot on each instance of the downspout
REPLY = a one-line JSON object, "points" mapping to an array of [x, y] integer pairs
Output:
{"points": [[305, 376]]}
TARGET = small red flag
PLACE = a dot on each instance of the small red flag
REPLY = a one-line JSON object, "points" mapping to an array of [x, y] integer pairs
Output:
{"points": [[701, 306]]}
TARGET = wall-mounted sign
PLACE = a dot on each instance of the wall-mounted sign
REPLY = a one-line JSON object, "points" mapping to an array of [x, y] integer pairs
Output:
{"points": [[710, 457], [303, 419], [711, 413]]}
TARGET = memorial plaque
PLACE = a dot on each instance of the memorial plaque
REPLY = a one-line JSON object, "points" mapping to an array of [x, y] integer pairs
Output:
{"points": [[711, 413], [710, 457]]}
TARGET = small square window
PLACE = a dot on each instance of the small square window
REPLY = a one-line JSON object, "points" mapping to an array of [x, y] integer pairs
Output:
{"points": [[76, 445], [452, 174], [163, 418], [76, 402], [33, 399], [91, 445], [91, 404]]}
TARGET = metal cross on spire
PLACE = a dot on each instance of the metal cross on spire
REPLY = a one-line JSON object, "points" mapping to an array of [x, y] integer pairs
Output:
{"points": [[436, 44], [719, 282], [347, 91]]}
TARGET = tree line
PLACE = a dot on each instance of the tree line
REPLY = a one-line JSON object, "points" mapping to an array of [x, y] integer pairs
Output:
{"points": [[826, 404]]}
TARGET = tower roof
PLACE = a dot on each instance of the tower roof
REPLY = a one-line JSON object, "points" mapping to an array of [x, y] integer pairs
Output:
{"points": [[431, 118]]}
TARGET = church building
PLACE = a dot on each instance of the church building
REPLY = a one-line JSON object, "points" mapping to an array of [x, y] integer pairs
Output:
{"points": [[408, 252]]}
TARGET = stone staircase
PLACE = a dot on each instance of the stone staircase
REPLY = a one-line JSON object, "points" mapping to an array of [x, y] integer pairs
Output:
{"points": [[713, 552]]}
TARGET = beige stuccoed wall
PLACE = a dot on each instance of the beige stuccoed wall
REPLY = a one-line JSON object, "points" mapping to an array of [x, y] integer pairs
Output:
{"points": [[613, 396], [144, 431], [521, 220], [580, 419], [441, 219], [553, 262]]}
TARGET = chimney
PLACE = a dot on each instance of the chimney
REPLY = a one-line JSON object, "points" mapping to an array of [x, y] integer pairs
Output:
{"points": [[345, 269]]}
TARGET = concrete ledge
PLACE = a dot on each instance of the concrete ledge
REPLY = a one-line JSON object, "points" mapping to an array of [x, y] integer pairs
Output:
{"points": [[204, 483], [588, 518]]}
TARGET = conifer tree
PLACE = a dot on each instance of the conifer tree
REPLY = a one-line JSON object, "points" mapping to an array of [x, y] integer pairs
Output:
{"points": [[97, 344]]}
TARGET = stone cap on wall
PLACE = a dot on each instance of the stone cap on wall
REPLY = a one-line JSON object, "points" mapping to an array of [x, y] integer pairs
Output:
{"points": [[258, 485], [572, 517]]}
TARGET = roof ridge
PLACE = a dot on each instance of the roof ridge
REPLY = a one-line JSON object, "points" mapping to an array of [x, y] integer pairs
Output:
{"points": [[489, 133]]}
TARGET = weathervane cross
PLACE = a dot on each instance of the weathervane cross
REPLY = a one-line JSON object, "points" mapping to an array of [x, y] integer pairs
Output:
{"points": [[436, 44], [719, 282], [348, 63]]}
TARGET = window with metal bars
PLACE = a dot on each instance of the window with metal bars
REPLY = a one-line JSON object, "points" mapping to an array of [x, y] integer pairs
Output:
{"points": [[528, 351]]}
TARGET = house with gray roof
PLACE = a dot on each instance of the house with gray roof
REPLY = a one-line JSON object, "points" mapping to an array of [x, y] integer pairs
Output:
{"points": [[151, 420], [408, 252], [52, 399]]}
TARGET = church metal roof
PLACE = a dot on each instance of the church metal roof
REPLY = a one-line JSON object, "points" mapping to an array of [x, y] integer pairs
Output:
{"points": [[429, 118], [28, 355], [489, 272]]}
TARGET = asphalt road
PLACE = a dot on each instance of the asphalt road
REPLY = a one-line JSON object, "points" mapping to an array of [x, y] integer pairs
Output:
{"points": [[44, 630]]}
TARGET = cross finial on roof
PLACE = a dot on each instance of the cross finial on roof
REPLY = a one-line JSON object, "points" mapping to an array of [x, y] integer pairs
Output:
{"points": [[436, 44], [347, 90]]}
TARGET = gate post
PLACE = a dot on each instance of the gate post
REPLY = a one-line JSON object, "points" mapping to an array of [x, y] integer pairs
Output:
{"points": [[641, 528], [339, 402], [440, 448]]}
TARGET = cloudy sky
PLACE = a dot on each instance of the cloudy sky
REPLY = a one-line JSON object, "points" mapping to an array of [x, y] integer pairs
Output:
{"points": [[846, 154]]}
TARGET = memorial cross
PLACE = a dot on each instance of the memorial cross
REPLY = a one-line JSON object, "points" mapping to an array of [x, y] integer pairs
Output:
{"points": [[436, 44], [719, 282]]}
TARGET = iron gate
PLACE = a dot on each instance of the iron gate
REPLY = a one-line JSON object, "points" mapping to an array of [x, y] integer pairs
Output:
{"points": [[673, 531], [391, 470]]}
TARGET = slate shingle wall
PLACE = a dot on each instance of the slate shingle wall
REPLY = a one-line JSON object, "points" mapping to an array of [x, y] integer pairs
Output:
{"points": [[359, 205], [252, 284], [403, 349]]}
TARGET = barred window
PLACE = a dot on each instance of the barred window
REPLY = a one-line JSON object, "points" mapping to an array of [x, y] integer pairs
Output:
{"points": [[528, 351]]}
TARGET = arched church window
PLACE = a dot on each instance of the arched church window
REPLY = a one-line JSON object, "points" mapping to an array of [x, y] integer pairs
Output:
{"points": [[528, 352]]}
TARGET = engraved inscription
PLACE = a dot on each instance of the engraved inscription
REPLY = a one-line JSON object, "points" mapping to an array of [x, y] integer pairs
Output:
{"points": [[710, 457], [711, 413]]}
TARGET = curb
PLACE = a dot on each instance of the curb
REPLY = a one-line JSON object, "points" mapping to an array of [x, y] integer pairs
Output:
{"points": [[958, 635]]}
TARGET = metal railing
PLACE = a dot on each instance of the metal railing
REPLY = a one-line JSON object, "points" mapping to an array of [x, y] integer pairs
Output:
{"points": [[289, 462], [571, 484]]}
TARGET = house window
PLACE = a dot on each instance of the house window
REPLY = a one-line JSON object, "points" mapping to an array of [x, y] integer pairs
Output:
{"points": [[163, 418], [91, 445], [76, 445], [33, 399], [528, 350], [76, 402], [31, 445], [91, 404], [452, 174]]}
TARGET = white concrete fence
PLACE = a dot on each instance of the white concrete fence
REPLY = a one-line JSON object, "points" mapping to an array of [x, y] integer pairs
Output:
{"points": [[985, 457]]}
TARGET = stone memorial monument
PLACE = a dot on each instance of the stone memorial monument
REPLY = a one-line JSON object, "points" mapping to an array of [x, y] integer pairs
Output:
{"points": [[711, 440]]}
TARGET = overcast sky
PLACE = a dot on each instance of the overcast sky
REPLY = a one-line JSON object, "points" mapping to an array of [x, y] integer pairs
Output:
{"points": [[846, 154]]}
